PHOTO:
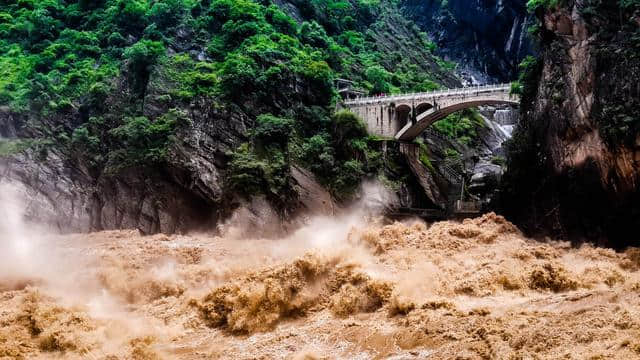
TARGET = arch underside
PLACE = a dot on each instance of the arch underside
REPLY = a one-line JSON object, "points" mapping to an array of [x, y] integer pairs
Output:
{"points": [[403, 114], [425, 119]]}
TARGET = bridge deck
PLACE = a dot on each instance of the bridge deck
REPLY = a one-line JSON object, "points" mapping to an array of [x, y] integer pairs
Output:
{"points": [[422, 95]]}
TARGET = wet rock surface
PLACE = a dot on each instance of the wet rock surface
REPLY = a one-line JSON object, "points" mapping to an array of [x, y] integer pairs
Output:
{"points": [[574, 165], [487, 38]]}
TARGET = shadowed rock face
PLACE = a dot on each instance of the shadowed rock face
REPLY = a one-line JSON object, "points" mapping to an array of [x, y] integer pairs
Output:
{"points": [[68, 195], [185, 193], [488, 38], [575, 162]]}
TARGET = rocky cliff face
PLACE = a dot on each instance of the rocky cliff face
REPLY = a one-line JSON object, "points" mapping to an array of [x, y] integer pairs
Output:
{"points": [[575, 160], [65, 186], [488, 38], [184, 193], [188, 188]]}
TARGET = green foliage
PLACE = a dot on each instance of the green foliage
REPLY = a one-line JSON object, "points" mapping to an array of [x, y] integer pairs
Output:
{"points": [[262, 166], [39, 147], [527, 84], [319, 153], [349, 174], [270, 129], [313, 34], [144, 142], [347, 126], [431, 46], [320, 77], [280, 21], [379, 79], [247, 171], [189, 78], [53, 51], [424, 155], [447, 65], [252, 174], [619, 123], [342, 154], [499, 160], [86, 145], [533, 5], [462, 126], [15, 73], [142, 56], [238, 75], [516, 88], [452, 153], [64, 58], [130, 15], [629, 4], [11, 147], [168, 13]]}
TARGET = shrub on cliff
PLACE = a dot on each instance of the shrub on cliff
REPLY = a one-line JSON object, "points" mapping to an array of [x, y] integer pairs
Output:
{"points": [[533, 5], [142, 141], [342, 155], [272, 130], [262, 166], [142, 56]]}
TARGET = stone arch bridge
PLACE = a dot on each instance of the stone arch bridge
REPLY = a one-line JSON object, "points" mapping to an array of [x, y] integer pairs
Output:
{"points": [[404, 117]]}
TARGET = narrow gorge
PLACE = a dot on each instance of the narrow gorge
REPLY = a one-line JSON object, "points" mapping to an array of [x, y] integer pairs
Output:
{"points": [[324, 179]]}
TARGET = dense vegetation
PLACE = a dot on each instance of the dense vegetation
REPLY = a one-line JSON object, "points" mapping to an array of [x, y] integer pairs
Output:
{"points": [[84, 72], [533, 5], [462, 126]]}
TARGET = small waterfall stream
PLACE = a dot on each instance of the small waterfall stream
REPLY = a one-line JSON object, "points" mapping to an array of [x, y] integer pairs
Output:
{"points": [[506, 119], [506, 116]]}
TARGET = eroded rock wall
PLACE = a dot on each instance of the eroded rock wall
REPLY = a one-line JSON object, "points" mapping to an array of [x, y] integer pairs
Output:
{"points": [[488, 38], [575, 160]]}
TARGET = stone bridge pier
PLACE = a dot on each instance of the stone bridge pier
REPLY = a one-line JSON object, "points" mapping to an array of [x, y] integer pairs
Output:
{"points": [[404, 117]]}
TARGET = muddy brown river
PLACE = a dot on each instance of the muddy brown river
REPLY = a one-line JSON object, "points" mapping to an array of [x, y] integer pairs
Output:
{"points": [[339, 288]]}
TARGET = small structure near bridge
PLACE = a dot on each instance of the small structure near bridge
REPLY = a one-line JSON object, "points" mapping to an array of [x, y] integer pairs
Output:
{"points": [[347, 90]]}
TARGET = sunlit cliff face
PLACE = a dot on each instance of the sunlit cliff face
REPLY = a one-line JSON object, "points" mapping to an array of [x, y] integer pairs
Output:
{"points": [[346, 287]]}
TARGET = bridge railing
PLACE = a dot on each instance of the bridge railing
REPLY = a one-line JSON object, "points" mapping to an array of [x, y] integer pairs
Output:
{"points": [[456, 91]]}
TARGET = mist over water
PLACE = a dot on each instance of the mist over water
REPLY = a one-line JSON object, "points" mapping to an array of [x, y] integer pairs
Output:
{"points": [[345, 286], [21, 250]]}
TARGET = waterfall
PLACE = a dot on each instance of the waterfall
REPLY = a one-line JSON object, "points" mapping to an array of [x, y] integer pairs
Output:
{"points": [[506, 116]]}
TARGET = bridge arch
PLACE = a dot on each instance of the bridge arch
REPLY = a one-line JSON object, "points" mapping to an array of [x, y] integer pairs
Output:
{"points": [[402, 108], [403, 114], [422, 107], [426, 119], [406, 112]]}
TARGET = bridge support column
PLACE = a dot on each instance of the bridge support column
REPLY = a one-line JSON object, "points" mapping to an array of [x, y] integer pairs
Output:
{"points": [[413, 114]]}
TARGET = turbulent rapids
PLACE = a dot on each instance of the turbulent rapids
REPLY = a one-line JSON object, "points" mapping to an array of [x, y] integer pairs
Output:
{"points": [[338, 288]]}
